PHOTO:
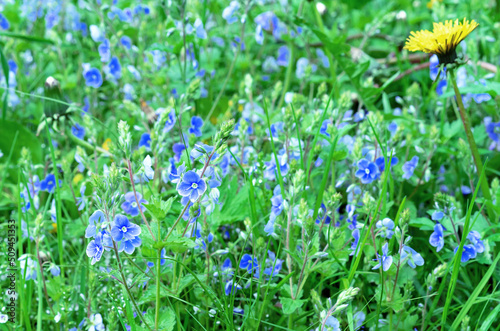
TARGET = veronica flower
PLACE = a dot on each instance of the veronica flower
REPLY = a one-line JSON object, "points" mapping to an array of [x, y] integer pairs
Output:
{"points": [[4, 23], [385, 260], [95, 249], [436, 239], [493, 131], [55, 270], [78, 131], [283, 56], [324, 59], [114, 67], [96, 34], [80, 201], [95, 222], [248, 262], [271, 169], [104, 51], [380, 162], [277, 206], [95, 323], [409, 167], [169, 124], [231, 287], [414, 258], [269, 227], [367, 171], [128, 91], [126, 42], [92, 77], [130, 205], [196, 124], [387, 226], [274, 265], [134, 72], [469, 252], [355, 235], [145, 141], [123, 229], [475, 239], [191, 186], [442, 41], [49, 183], [229, 11], [302, 65]]}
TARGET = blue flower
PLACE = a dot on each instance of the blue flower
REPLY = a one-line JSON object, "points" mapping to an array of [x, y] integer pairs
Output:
{"points": [[322, 214], [134, 72], [367, 171], [384, 260], [49, 183], [178, 148], [409, 167], [95, 249], [169, 124], [196, 124], [465, 190], [259, 36], [78, 131], [277, 206], [414, 258], [469, 252], [104, 51], [475, 239], [231, 287], [55, 270], [380, 162], [249, 263], [4, 23], [28, 267], [301, 67], [130, 204], [269, 227], [332, 323], [324, 127], [271, 169], [80, 201], [191, 186], [229, 11], [126, 42], [115, 67], [324, 59], [283, 56], [93, 78], [95, 222], [145, 141], [386, 226], [129, 245], [200, 31], [274, 265], [355, 235], [436, 239], [493, 131], [437, 215], [123, 229]]}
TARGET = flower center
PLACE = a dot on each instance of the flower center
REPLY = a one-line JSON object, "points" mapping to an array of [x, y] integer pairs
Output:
{"points": [[124, 229], [367, 171], [194, 185], [134, 204]]}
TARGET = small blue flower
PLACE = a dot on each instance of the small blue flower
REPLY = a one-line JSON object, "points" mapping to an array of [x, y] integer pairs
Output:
{"points": [[95, 222], [414, 257], [386, 226], [249, 263], [130, 204], [78, 131], [475, 239], [437, 215], [271, 169], [231, 287], [436, 239], [493, 131], [104, 51], [126, 42], [465, 190], [269, 227], [49, 183], [324, 127], [169, 124], [96, 34], [178, 148], [80, 201], [145, 141], [134, 72], [380, 162], [367, 171], [4, 23], [355, 235], [283, 56], [469, 252], [28, 267], [259, 36], [196, 124], [55, 270], [200, 31], [93, 78], [191, 186], [95, 249], [123, 229], [384, 260], [324, 59], [129, 245], [229, 11], [277, 206], [409, 167], [115, 68]]}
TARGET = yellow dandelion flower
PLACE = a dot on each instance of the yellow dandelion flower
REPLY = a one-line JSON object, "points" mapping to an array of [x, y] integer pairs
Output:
{"points": [[443, 39], [78, 178], [106, 144]]}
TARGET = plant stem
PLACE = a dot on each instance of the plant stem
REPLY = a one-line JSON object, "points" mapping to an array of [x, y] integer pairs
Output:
{"points": [[473, 147], [158, 275], [131, 175]]}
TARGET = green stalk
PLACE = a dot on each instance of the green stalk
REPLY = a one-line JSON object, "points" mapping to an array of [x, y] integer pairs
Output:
{"points": [[58, 200], [158, 270], [473, 147]]}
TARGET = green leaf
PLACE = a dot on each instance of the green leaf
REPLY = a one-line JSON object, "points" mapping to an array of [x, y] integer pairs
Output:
{"points": [[176, 244], [166, 318], [159, 208], [290, 306]]}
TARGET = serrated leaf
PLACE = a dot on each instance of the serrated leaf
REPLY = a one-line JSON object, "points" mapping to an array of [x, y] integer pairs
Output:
{"points": [[159, 208]]}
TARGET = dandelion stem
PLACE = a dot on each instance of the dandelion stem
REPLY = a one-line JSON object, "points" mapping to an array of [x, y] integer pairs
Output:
{"points": [[473, 147]]}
